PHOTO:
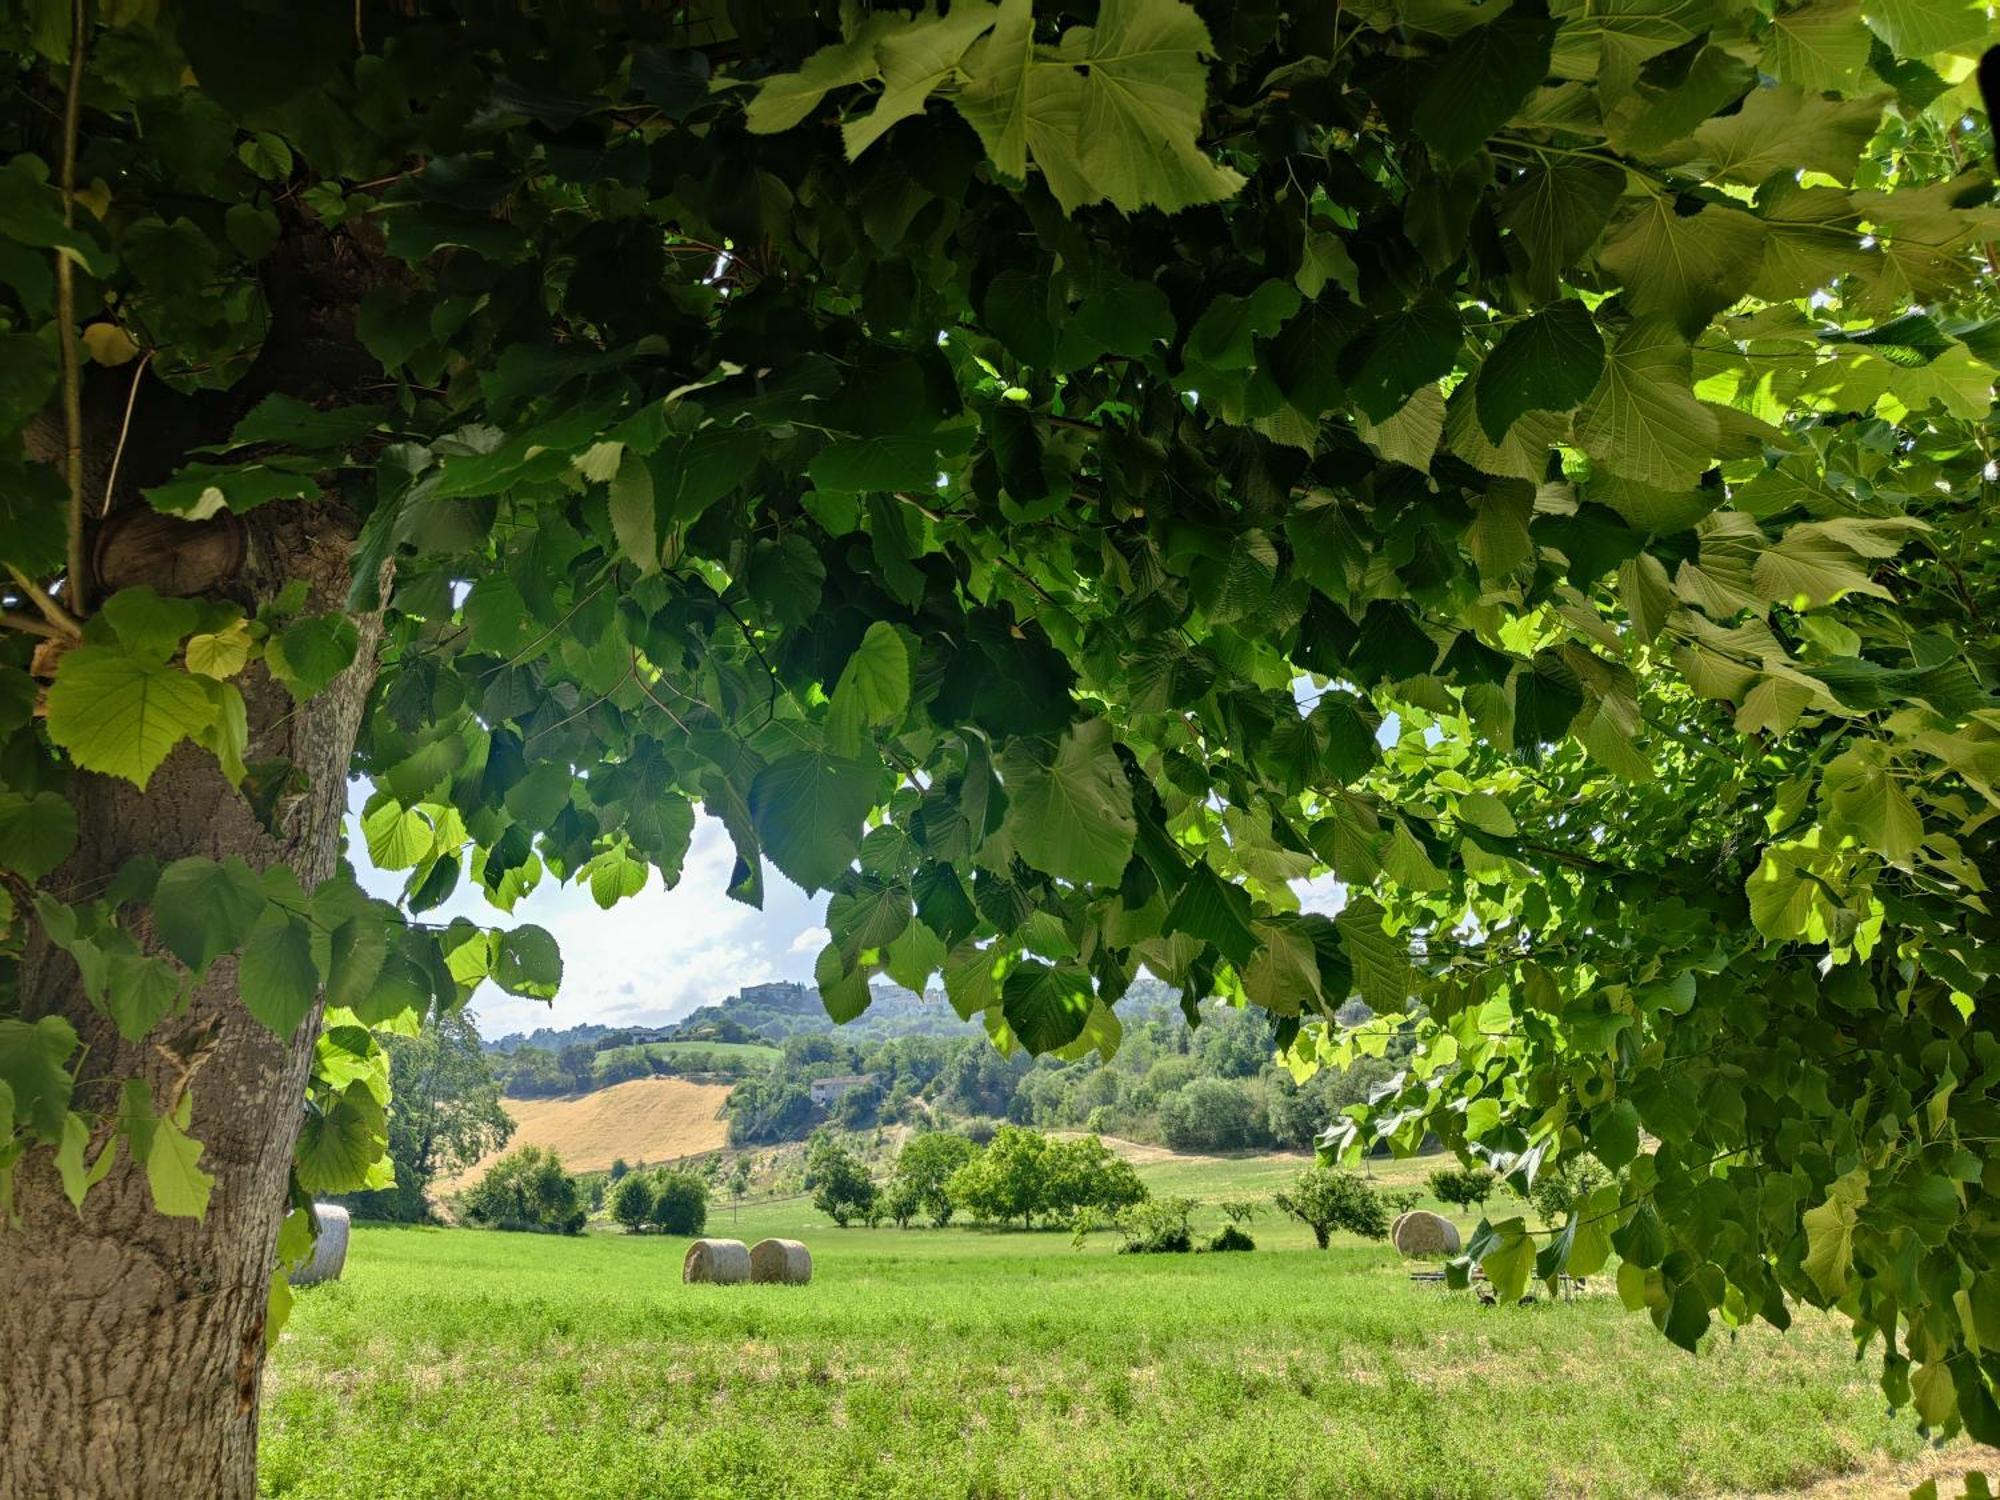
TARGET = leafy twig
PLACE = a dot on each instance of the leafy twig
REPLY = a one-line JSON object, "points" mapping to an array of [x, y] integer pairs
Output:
{"points": [[72, 373]]}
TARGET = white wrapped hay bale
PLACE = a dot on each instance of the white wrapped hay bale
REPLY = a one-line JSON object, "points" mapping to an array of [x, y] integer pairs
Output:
{"points": [[723, 1262], [784, 1261], [329, 1250], [1422, 1234]]}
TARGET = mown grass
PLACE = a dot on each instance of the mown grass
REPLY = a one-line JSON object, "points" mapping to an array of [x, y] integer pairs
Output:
{"points": [[459, 1364]]}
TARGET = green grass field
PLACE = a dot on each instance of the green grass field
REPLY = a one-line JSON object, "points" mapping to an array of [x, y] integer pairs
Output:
{"points": [[458, 1364]]}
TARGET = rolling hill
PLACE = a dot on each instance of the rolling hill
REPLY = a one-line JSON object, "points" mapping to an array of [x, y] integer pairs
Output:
{"points": [[645, 1119]]}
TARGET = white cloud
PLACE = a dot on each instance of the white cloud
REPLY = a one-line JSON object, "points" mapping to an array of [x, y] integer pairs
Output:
{"points": [[651, 958]]}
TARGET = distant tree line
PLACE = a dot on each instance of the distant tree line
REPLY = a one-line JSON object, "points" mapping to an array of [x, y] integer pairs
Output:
{"points": [[1215, 1088], [1019, 1176]]}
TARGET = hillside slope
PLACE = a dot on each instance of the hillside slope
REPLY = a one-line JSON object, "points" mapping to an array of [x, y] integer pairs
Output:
{"points": [[645, 1119]]}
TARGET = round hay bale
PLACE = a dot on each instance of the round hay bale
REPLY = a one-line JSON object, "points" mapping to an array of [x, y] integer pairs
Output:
{"points": [[1421, 1234], [784, 1261], [723, 1262], [329, 1250]]}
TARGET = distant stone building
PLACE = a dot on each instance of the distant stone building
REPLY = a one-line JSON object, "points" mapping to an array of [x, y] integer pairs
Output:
{"points": [[826, 1092]]}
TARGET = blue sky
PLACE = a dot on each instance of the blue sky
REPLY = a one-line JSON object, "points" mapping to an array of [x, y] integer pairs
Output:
{"points": [[651, 958]]}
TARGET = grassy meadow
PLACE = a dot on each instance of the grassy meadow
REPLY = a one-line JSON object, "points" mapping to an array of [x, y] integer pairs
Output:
{"points": [[455, 1364]]}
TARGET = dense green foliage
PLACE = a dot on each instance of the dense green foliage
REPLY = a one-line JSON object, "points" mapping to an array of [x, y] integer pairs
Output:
{"points": [[1016, 469], [1004, 1365], [1325, 1200], [444, 1115], [526, 1190]]}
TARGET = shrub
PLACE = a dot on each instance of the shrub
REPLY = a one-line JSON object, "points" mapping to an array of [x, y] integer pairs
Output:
{"points": [[632, 1201], [680, 1203], [527, 1190], [1325, 1200], [1463, 1187], [1232, 1238], [1158, 1226]]}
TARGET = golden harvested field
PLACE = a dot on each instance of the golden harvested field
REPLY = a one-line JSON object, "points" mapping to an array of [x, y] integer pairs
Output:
{"points": [[644, 1119]]}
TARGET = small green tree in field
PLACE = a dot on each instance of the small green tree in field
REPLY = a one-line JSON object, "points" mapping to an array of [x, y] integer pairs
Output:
{"points": [[1006, 1181], [632, 1201], [841, 1186], [1086, 1173], [902, 1201], [1325, 1200], [739, 1184], [680, 1202], [1463, 1187], [926, 1164], [1556, 1193], [619, 1167], [527, 1190]]}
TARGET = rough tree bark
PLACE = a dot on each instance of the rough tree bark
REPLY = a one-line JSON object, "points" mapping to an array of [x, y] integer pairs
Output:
{"points": [[131, 1344]]}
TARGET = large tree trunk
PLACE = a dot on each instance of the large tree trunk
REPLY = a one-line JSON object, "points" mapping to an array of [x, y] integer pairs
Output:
{"points": [[131, 1345]]}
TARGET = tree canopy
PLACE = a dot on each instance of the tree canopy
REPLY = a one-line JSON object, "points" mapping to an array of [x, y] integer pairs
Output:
{"points": [[1056, 478]]}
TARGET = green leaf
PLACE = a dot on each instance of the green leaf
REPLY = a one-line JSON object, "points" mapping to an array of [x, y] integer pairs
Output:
{"points": [[632, 516], [1387, 361], [784, 99], [1381, 962], [873, 690], [180, 1187], [149, 627], [203, 909], [1787, 129], [37, 832], [1643, 422], [1556, 211], [1829, 1257], [1683, 268], [1821, 46], [1508, 1264], [1215, 911], [340, 1141], [33, 1059], [892, 462], [529, 963], [1116, 115], [1484, 78], [139, 992], [915, 59], [122, 715], [311, 652], [1551, 362], [1919, 28], [1614, 1134], [277, 976], [1045, 1007], [1074, 819], [807, 809]]}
